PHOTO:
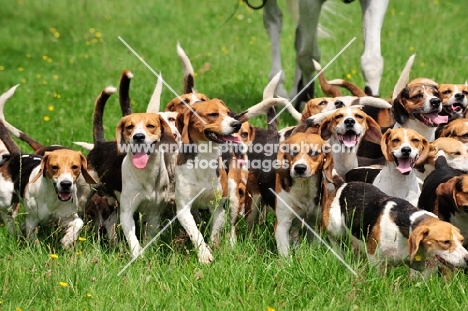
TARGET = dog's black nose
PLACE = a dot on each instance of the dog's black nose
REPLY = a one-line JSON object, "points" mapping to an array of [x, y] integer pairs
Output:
{"points": [[139, 137], [459, 96], [65, 185], [435, 102], [349, 122], [339, 104], [236, 125], [406, 151], [300, 168]]}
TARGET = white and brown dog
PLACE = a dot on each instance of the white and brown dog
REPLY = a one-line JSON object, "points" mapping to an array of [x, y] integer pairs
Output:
{"points": [[390, 229], [145, 178], [51, 194], [403, 149], [303, 160], [454, 99], [457, 129]]}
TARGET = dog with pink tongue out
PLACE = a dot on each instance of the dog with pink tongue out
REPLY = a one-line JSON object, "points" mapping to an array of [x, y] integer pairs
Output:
{"points": [[403, 148], [149, 143]]}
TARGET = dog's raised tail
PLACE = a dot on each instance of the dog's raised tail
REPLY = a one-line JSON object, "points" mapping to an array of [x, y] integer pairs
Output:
{"points": [[353, 88], [13, 130], [9, 143], [155, 101], [327, 88], [404, 77], [189, 81], [338, 181], [124, 92], [101, 100]]}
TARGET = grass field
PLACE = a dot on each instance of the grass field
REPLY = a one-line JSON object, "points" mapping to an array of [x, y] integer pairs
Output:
{"points": [[64, 52]]}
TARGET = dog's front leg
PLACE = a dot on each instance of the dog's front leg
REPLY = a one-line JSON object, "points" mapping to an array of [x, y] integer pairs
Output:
{"points": [[128, 224], [283, 224], [218, 223], [73, 230]]}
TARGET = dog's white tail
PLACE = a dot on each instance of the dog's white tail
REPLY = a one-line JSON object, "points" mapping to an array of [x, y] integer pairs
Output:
{"points": [[155, 101], [404, 77], [85, 145]]}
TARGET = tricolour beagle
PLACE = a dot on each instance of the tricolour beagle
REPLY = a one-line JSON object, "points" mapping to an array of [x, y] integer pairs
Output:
{"points": [[390, 229]]}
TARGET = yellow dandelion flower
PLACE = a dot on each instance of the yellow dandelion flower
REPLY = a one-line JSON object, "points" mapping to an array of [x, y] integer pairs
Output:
{"points": [[81, 239], [1, 302], [58, 96], [270, 309], [46, 118], [52, 29], [63, 284], [78, 253], [348, 76], [57, 34], [23, 81], [411, 48], [95, 40], [98, 34], [89, 295], [38, 76], [50, 108], [45, 57], [55, 77], [421, 64], [354, 71], [239, 17], [418, 258], [53, 256], [28, 55], [44, 81], [49, 60], [18, 309], [195, 74], [20, 69], [92, 30], [2, 68]]}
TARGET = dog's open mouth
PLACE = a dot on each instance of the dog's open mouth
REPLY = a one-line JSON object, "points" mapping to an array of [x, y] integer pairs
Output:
{"points": [[404, 164], [431, 119], [141, 154], [445, 262], [349, 138], [63, 196], [220, 139]]}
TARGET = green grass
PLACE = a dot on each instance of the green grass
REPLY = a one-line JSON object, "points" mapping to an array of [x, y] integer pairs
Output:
{"points": [[61, 77]]}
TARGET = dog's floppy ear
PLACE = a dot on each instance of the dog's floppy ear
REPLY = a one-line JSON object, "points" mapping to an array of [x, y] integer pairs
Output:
{"points": [[84, 170], [119, 133], [42, 170], [423, 152], [182, 124], [374, 132], [415, 239], [252, 132], [283, 172], [446, 195], [384, 146], [325, 128], [328, 163], [399, 112]]}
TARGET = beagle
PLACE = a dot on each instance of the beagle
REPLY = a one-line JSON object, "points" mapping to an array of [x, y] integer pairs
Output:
{"points": [[403, 149], [392, 230], [417, 106], [303, 159], [145, 179], [345, 128], [202, 128], [457, 129], [51, 194], [454, 99], [445, 193], [4, 154], [455, 152]]}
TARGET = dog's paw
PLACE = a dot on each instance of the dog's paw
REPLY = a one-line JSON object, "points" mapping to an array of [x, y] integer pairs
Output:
{"points": [[204, 255]]}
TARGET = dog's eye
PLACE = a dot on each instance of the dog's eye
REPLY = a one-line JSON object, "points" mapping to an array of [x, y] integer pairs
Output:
{"points": [[294, 152], [171, 119], [54, 167], [395, 140], [465, 93], [446, 242], [418, 96], [456, 153], [313, 153], [150, 126], [213, 114], [241, 193], [322, 103], [446, 92], [129, 127], [185, 101], [415, 140], [244, 134], [338, 116], [359, 116], [464, 135], [75, 167]]}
